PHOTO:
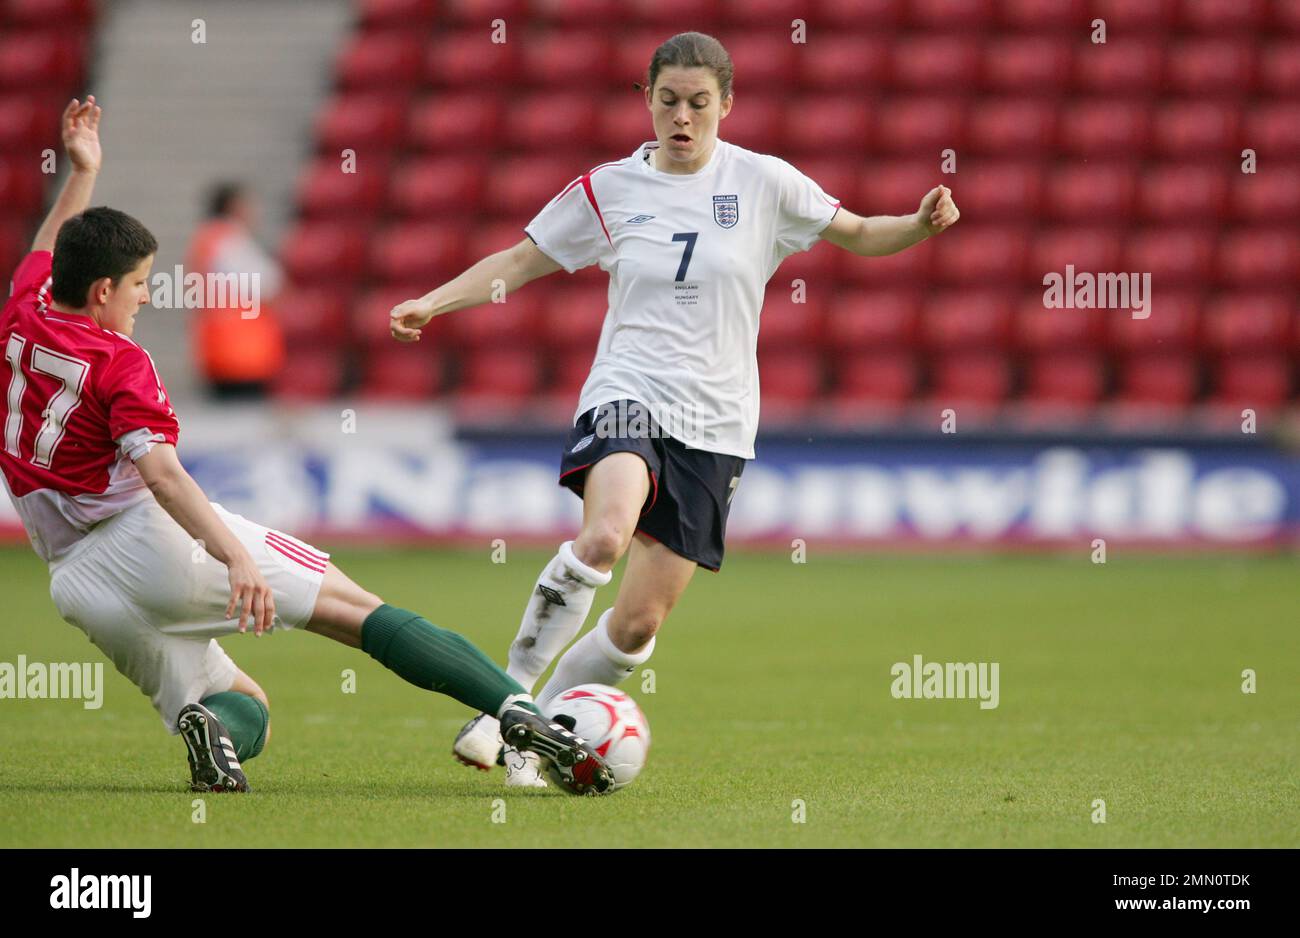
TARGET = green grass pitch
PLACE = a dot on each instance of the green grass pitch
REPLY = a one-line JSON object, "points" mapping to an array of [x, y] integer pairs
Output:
{"points": [[1119, 682]]}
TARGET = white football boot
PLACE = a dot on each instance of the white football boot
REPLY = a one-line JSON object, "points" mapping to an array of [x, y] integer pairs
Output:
{"points": [[523, 769], [479, 743]]}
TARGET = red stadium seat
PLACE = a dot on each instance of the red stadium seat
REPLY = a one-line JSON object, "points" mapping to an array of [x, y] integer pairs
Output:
{"points": [[550, 119], [511, 322], [498, 376], [1216, 17], [1286, 18], [789, 381], [1091, 192], [324, 251], [1279, 68], [970, 378], [896, 188], [769, 13], [935, 63], [569, 373], [399, 372], [1202, 66], [1250, 322], [906, 125], [363, 121], [631, 58], [763, 61], [418, 251], [965, 320], [876, 319], [469, 60], [1044, 15], [488, 239], [67, 13], [463, 120], [839, 177], [757, 123], [1261, 197], [875, 376], [528, 183], [1273, 129], [563, 58], [21, 186], [1066, 377], [817, 267], [1269, 257], [578, 13], [623, 124], [382, 13], [1123, 65], [1174, 193], [787, 325], [845, 63], [25, 123], [573, 316], [369, 316], [828, 123], [910, 267], [1158, 378], [1016, 127], [982, 254], [1171, 256], [1172, 326], [1097, 128], [1199, 128], [1016, 63], [450, 184], [387, 60], [1132, 16], [673, 13], [854, 14], [1042, 329], [1092, 250], [311, 315], [950, 14], [482, 12], [41, 60], [15, 241], [309, 374], [1261, 382], [325, 191]]}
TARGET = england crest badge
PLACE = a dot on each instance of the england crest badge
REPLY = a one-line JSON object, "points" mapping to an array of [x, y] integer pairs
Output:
{"points": [[726, 210]]}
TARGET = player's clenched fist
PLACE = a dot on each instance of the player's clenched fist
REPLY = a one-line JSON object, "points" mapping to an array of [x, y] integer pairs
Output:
{"points": [[407, 318], [938, 211]]}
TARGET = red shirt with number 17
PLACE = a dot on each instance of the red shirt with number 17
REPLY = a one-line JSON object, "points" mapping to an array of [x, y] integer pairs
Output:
{"points": [[82, 403]]}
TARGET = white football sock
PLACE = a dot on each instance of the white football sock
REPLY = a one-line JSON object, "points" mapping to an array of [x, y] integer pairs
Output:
{"points": [[593, 659], [556, 611]]}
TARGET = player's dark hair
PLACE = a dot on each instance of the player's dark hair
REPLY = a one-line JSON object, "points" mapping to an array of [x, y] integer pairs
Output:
{"points": [[693, 50], [223, 197], [100, 242]]}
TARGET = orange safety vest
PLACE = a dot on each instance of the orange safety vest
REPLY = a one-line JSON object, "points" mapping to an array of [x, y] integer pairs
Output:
{"points": [[230, 348]]}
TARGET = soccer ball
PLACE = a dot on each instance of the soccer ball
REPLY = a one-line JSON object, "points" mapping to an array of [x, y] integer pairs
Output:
{"points": [[611, 722]]}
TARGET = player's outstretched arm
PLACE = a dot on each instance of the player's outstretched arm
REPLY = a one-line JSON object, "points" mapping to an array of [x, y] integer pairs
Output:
{"points": [[506, 270], [888, 234], [181, 497], [81, 143]]}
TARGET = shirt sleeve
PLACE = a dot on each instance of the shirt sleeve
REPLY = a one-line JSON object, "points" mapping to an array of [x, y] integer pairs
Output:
{"points": [[804, 211], [32, 275], [136, 400], [569, 230]]}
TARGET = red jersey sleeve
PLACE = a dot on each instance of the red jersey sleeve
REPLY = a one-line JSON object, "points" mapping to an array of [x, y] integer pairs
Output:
{"points": [[33, 274], [136, 399]]}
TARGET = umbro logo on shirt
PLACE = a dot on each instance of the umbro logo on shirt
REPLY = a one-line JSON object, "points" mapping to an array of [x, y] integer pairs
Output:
{"points": [[639, 219]]}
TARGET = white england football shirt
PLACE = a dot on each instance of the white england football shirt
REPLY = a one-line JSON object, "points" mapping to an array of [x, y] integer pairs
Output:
{"points": [[688, 257]]}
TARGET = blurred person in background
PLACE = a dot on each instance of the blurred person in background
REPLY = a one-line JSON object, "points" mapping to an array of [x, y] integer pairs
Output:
{"points": [[237, 350]]}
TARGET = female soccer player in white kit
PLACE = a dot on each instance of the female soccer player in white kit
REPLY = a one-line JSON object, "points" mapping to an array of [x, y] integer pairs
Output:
{"points": [[690, 229]]}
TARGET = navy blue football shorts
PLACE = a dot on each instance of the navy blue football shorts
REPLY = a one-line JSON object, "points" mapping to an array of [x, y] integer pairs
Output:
{"points": [[690, 489]]}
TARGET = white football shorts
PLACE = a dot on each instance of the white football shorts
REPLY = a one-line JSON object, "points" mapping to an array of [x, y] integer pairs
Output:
{"points": [[154, 601]]}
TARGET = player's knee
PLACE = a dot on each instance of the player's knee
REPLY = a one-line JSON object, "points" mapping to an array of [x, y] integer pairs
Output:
{"points": [[633, 631], [602, 543]]}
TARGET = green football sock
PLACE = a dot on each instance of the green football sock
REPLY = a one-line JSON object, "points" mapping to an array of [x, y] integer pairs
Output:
{"points": [[245, 717], [437, 659]]}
